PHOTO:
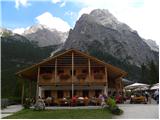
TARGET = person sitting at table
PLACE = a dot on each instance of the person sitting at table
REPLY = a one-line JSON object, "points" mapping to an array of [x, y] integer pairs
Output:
{"points": [[74, 100], [85, 100]]}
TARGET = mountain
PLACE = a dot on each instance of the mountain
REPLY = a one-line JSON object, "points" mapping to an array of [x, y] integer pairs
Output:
{"points": [[101, 30], [5, 32], [45, 36], [152, 44]]}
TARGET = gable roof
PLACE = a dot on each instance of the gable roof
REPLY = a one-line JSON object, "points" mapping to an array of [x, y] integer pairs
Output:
{"points": [[34, 68]]}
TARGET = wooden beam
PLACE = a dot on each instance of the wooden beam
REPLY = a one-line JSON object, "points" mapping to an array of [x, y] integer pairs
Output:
{"points": [[30, 88], [55, 70], [89, 69], [38, 76], [106, 77], [22, 97], [72, 74]]}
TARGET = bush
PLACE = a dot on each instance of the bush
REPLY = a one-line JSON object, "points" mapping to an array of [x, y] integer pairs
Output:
{"points": [[113, 107], [27, 103], [111, 102], [115, 110]]}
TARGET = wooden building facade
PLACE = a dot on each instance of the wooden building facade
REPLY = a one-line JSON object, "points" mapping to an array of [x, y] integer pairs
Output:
{"points": [[73, 73]]}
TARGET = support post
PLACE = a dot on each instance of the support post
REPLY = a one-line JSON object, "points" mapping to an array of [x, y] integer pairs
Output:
{"points": [[37, 92], [55, 70], [72, 74], [22, 97], [106, 86], [30, 88], [89, 69]]}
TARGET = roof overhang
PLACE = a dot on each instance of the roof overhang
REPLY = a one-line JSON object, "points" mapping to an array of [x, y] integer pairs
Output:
{"points": [[32, 71]]}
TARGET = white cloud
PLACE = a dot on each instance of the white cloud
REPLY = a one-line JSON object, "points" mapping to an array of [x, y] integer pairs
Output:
{"points": [[63, 4], [53, 22], [56, 1], [19, 3], [19, 30], [86, 10], [73, 15]]}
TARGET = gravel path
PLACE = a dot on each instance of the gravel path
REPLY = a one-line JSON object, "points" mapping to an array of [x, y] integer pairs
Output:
{"points": [[139, 111], [10, 110]]}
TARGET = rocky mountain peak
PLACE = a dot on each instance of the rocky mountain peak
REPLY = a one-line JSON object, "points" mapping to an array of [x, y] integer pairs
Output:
{"points": [[35, 28], [152, 44], [100, 29], [104, 16], [5, 32], [44, 35], [106, 19]]}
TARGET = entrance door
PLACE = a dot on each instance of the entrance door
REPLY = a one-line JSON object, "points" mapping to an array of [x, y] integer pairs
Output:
{"points": [[97, 92], [47, 93], [85, 93]]}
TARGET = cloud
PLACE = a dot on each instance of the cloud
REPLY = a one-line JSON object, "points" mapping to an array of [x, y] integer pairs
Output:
{"points": [[56, 1], [19, 3], [63, 4], [53, 22], [86, 10], [71, 14], [19, 30]]}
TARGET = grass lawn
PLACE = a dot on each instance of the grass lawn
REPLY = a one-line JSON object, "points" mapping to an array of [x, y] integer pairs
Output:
{"points": [[62, 114]]}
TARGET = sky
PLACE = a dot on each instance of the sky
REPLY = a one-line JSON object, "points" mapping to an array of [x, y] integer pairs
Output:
{"points": [[141, 15]]}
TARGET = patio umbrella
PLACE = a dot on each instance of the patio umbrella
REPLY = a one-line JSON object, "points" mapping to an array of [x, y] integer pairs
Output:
{"points": [[141, 88], [136, 85], [155, 86]]}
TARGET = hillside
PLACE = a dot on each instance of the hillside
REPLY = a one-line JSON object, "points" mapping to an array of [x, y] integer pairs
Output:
{"points": [[17, 52]]}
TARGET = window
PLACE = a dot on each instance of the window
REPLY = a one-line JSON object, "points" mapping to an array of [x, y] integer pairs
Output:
{"points": [[60, 72], [96, 71], [97, 92], [47, 93], [85, 93], [84, 71], [46, 70], [60, 94]]}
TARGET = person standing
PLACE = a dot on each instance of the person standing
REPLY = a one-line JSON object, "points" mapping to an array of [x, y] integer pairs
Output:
{"points": [[156, 96]]}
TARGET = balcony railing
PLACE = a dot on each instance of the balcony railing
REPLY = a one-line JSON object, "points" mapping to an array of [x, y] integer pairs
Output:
{"points": [[82, 79]]}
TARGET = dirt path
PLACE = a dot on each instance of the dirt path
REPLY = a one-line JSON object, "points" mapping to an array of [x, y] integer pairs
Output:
{"points": [[10, 110], [145, 111]]}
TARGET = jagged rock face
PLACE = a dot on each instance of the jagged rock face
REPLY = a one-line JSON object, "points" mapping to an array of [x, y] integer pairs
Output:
{"points": [[45, 36], [100, 29], [152, 44]]}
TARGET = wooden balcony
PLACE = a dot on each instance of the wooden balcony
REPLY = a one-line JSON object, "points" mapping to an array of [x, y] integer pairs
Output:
{"points": [[65, 79]]}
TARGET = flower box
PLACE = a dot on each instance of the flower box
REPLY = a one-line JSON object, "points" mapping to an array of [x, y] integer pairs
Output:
{"points": [[64, 76], [46, 76], [98, 76], [81, 76]]}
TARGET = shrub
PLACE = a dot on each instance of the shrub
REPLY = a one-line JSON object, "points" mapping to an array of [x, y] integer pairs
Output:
{"points": [[111, 102], [27, 103], [115, 110], [113, 107]]}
